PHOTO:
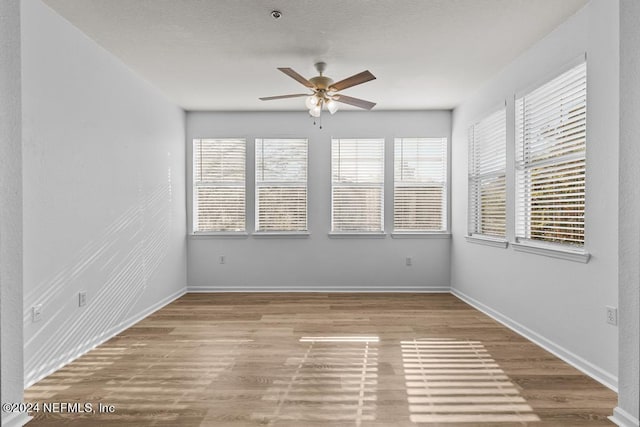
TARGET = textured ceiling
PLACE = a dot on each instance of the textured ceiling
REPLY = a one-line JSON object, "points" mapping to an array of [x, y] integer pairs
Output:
{"points": [[222, 55]]}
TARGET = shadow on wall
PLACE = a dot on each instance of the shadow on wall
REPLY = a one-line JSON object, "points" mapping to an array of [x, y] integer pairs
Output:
{"points": [[115, 269]]}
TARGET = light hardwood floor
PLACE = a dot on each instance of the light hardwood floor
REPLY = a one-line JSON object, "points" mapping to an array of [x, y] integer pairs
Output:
{"points": [[315, 359]]}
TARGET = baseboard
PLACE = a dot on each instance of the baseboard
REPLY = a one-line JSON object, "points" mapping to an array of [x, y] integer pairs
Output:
{"points": [[603, 377], [337, 289], [15, 419], [104, 336], [623, 419]]}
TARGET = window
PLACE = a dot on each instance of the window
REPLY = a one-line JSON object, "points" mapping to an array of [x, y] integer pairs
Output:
{"points": [[487, 183], [218, 185], [550, 163], [357, 190], [420, 184], [281, 184]]}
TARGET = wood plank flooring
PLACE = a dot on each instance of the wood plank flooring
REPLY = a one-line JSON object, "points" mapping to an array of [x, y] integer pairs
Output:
{"points": [[316, 359]]}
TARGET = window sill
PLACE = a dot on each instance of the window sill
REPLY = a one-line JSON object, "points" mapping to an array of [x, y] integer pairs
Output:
{"points": [[348, 235], [281, 234], [419, 235], [576, 255], [488, 241], [220, 235]]}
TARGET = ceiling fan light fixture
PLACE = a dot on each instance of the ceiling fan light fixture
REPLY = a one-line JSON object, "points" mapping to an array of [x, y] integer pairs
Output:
{"points": [[315, 111], [311, 102], [332, 106]]}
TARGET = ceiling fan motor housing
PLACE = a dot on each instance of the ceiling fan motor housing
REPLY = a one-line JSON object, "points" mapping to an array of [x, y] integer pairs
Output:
{"points": [[321, 82]]}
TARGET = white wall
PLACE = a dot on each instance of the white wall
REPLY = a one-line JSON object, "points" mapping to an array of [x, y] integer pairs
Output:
{"points": [[10, 210], [629, 211], [559, 303], [318, 262], [103, 192]]}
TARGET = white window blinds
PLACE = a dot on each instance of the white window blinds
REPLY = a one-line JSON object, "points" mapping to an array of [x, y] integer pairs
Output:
{"points": [[219, 185], [550, 163], [487, 183], [357, 190], [420, 184], [281, 184]]}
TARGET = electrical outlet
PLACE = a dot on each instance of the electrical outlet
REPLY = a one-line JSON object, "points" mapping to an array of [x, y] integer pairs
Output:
{"points": [[408, 261], [36, 313], [222, 259], [82, 299], [612, 315]]}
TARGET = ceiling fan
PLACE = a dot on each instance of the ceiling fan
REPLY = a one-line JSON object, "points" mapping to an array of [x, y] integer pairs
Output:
{"points": [[325, 90]]}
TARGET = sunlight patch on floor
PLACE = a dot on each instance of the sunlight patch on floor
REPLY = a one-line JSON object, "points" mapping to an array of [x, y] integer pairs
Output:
{"points": [[335, 379], [457, 381]]}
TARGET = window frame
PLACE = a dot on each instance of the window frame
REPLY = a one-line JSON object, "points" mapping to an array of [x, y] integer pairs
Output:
{"points": [[572, 252], [220, 184], [381, 185], [444, 185], [257, 184], [476, 176]]}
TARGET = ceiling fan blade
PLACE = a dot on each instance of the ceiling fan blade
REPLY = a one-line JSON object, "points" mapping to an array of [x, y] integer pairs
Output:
{"points": [[289, 72], [367, 105], [295, 95], [354, 80]]}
